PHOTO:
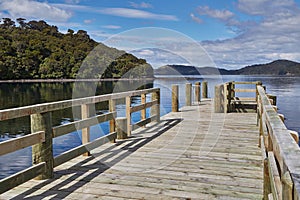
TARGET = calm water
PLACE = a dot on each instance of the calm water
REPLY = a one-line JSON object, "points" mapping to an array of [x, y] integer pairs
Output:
{"points": [[12, 95]]}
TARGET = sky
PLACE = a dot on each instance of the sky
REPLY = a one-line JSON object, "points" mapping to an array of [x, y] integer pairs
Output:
{"points": [[229, 34]]}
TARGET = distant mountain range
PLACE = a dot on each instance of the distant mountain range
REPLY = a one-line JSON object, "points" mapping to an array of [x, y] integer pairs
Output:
{"points": [[277, 67]]}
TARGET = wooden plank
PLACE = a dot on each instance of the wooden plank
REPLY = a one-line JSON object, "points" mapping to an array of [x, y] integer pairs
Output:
{"points": [[52, 106], [21, 142], [143, 106], [245, 83], [143, 122], [80, 124], [77, 151], [244, 90], [21, 177], [275, 181]]}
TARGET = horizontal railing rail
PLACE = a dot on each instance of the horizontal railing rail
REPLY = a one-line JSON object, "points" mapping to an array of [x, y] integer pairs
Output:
{"points": [[280, 149], [42, 132]]}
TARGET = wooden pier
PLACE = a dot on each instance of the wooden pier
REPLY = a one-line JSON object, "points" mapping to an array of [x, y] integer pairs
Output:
{"points": [[195, 153]]}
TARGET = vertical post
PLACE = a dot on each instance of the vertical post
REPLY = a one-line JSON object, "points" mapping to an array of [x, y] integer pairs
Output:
{"points": [[267, 186], [229, 96], [128, 115], [188, 94], [85, 113], [155, 110], [204, 89], [112, 122], [143, 111], [197, 92], [273, 98], [287, 186], [175, 98], [225, 105], [218, 100], [121, 127], [43, 152]]}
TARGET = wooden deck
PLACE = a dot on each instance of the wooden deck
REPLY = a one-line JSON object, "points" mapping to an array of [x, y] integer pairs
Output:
{"points": [[192, 154]]}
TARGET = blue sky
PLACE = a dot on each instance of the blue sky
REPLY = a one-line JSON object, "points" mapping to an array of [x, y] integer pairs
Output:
{"points": [[232, 33]]}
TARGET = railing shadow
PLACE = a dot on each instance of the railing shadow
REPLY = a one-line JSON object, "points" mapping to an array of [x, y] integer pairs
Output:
{"points": [[80, 173]]}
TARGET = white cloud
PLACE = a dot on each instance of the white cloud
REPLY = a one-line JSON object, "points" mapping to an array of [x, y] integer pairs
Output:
{"points": [[138, 14], [111, 27], [140, 5], [33, 9], [196, 19], [87, 21], [218, 14], [72, 1]]}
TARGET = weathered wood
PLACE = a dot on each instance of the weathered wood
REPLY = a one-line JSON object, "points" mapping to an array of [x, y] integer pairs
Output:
{"points": [[188, 94], [274, 177], [204, 89], [175, 96], [287, 186], [59, 105], [219, 99], [143, 111], [21, 142], [244, 90], [155, 110], [295, 135], [267, 186], [112, 122], [143, 106], [80, 150], [43, 152], [21, 177], [121, 124], [81, 124], [85, 113], [197, 92], [143, 122], [128, 115]]}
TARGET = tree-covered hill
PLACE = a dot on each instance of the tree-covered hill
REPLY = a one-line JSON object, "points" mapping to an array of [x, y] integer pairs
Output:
{"points": [[37, 50]]}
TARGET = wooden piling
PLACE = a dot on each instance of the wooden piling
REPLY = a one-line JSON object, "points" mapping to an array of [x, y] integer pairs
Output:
{"points": [[121, 127], [143, 111], [197, 92], [204, 89], [219, 99], [43, 152], [175, 96], [273, 98], [188, 94]]}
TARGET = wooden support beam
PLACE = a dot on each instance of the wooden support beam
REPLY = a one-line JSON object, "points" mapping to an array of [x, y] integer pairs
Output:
{"points": [[175, 96]]}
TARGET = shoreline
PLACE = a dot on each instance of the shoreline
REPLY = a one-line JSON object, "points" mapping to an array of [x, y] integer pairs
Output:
{"points": [[70, 80]]}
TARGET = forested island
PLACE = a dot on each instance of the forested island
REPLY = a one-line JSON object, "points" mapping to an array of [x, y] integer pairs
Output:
{"points": [[277, 68], [37, 50]]}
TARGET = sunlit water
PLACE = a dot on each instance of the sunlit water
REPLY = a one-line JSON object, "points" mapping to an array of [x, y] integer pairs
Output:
{"points": [[287, 90]]}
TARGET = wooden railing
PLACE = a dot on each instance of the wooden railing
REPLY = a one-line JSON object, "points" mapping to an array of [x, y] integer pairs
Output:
{"points": [[280, 149], [227, 99], [42, 132]]}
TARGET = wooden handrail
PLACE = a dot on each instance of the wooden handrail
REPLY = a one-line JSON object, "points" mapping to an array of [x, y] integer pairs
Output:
{"points": [[282, 150], [43, 132]]}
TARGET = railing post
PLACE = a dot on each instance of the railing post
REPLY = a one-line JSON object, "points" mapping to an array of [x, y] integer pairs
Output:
{"points": [[188, 94], [155, 110], [85, 113], [197, 92], [43, 152], [175, 98], [121, 127], [287, 186], [112, 123], [128, 115], [143, 111], [273, 99], [204, 89]]}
